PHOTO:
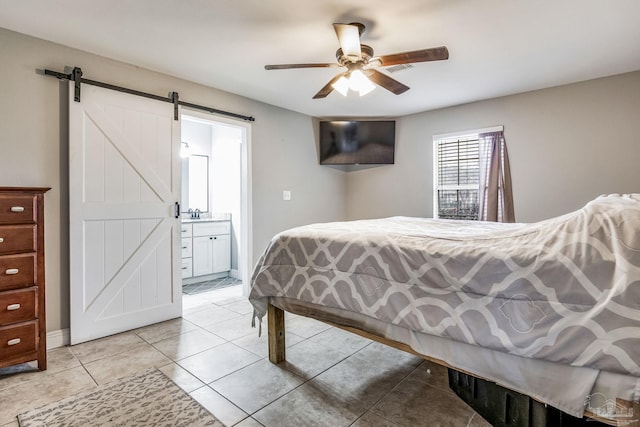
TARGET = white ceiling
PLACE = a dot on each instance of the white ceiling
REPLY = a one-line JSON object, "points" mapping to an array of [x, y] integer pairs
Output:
{"points": [[496, 47]]}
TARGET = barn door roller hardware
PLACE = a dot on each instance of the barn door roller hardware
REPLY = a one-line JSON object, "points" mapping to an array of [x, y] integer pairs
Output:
{"points": [[75, 74]]}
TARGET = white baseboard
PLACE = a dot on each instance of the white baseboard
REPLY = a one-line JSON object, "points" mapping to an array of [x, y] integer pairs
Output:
{"points": [[234, 273], [59, 338]]}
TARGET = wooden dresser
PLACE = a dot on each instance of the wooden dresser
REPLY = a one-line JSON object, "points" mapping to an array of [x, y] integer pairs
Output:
{"points": [[22, 291]]}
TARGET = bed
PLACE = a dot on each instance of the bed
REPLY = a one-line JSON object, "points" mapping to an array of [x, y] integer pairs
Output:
{"points": [[549, 309]]}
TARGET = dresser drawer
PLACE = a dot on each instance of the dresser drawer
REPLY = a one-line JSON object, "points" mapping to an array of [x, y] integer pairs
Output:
{"points": [[18, 306], [17, 271], [16, 208], [17, 238], [18, 339]]}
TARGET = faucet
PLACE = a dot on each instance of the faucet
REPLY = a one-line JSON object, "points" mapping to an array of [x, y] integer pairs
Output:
{"points": [[197, 213]]}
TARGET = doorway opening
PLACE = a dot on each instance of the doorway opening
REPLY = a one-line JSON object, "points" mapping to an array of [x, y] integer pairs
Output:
{"points": [[216, 203]]}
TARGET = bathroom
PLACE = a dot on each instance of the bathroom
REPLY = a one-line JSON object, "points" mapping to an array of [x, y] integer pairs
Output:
{"points": [[213, 184]]}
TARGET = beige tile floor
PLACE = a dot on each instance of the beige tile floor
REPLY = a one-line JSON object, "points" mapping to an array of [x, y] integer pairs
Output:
{"points": [[331, 378]]}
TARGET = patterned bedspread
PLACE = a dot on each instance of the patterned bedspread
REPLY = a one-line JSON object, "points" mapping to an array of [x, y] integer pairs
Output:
{"points": [[565, 290]]}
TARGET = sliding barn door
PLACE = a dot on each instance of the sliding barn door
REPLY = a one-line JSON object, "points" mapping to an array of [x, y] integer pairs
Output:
{"points": [[124, 179]]}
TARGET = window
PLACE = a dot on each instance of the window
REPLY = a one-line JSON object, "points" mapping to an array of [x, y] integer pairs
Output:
{"points": [[457, 178], [456, 171]]}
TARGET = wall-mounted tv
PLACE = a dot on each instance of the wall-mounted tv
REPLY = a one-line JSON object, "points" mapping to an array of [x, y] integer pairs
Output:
{"points": [[349, 142]]}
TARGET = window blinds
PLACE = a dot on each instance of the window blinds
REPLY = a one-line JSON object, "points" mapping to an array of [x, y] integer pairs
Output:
{"points": [[458, 178]]}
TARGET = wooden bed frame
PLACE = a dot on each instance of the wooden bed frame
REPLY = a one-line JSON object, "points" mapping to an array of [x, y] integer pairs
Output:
{"points": [[277, 354]]}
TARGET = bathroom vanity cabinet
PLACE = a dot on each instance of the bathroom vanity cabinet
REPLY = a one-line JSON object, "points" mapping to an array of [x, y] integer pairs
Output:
{"points": [[206, 249]]}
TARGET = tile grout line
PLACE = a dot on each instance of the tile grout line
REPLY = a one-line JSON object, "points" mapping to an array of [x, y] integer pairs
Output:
{"points": [[385, 395], [306, 380]]}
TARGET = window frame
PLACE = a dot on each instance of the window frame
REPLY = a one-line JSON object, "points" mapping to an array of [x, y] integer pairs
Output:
{"points": [[449, 137]]}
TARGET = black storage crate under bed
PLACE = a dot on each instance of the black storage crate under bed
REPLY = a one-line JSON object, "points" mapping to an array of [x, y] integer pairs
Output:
{"points": [[502, 407]]}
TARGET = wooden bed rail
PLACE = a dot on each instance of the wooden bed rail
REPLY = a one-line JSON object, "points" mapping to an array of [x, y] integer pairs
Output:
{"points": [[277, 354]]}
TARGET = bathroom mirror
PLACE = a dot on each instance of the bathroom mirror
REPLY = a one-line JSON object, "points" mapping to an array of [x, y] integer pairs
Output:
{"points": [[195, 183]]}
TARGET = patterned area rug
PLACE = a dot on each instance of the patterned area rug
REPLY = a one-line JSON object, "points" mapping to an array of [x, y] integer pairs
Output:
{"points": [[147, 399]]}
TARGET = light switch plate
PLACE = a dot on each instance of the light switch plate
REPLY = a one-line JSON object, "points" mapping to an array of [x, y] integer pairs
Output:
{"points": [[286, 195]]}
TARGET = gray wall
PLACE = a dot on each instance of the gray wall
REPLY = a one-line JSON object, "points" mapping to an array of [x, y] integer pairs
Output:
{"points": [[567, 145], [33, 150]]}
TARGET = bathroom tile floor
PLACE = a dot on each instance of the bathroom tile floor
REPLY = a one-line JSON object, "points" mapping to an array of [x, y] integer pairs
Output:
{"points": [[331, 377], [209, 285]]}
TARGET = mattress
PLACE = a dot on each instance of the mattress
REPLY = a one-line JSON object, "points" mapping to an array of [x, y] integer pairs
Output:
{"points": [[565, 291]]}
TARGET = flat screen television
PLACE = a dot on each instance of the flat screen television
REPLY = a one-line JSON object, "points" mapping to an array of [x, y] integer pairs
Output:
{"points": [[349, 142]]}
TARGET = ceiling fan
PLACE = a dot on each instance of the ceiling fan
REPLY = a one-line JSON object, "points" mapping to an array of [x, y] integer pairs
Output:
{"points": [[361, 64]]}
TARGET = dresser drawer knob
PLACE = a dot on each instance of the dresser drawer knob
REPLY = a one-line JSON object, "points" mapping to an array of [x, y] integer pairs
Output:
{"points": [[1, 239], [10, 271], [13, 307], [17, 209], [13, 341]]}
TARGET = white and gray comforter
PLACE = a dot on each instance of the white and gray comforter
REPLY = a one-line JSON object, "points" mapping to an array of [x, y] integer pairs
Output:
{"points": [[565, 290]]}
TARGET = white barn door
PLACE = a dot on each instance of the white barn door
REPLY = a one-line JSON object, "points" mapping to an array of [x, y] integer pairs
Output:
{"points": [[124, 179]]}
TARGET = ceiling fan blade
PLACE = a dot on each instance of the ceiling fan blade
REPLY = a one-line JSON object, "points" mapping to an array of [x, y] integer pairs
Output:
{"points": [[424, 55], [328, 88], [349, 38], [392, 85], [289, 66]]}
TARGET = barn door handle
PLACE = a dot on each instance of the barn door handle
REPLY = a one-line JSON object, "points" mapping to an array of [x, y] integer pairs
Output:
{"points": [[17, 209], [177, 210]]}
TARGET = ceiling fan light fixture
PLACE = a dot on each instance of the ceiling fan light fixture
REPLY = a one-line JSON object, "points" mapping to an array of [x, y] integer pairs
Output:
{"points": [[342, 85], [365, 91], [360, 83], [356, 81]]}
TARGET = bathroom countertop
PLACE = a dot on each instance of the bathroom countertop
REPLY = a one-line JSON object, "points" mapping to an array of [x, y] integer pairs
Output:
{"points": [[211, 218]]}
